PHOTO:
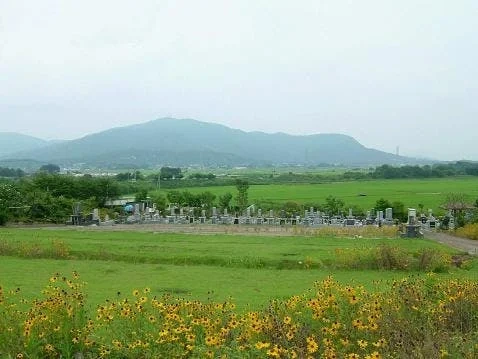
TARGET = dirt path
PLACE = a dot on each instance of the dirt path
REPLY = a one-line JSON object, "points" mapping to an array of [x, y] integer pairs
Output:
{"points": [[468, 245]]}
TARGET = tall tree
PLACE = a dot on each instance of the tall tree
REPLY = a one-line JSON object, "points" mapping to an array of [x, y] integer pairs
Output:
{"points": [[242, 187]]}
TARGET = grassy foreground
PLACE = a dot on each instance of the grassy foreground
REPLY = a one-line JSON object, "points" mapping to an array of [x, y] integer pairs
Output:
{"points": [[250, 269], [148, 295]]}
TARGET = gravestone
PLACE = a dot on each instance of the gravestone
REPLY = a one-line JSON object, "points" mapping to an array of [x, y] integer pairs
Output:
{"points": [[412, 228], [389, 214]]}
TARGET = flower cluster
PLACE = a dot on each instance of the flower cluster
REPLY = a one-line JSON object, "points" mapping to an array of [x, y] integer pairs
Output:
{"points": [[415, 316]]}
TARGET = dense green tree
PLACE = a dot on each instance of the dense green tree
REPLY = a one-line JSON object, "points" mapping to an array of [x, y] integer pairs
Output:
{"points": [[46, 208], [175, 197], [206, 199], [382, 204], [141, 196], [399, 211], [291, 208], [160, 201], [168, 173], [50, 168], [333, 205], [129, 176], [10, 196], [11, 172], [224, 201], [242, 187], [199, 176], [190, 199]]}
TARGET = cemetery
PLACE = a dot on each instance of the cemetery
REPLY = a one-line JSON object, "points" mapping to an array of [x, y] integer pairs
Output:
{"points": [[146, 213]]}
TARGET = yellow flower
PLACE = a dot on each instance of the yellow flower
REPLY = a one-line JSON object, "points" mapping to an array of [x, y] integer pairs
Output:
{"points": [[373, 326], [362, 343], [380, 343], [312, 346], [274, 352], [327, 342], [135, 292], [356, 323], [287, 320], [210, 340], [262, 345], [345, 342]]}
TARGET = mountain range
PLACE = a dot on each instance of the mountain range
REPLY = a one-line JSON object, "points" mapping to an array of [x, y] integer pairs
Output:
{"points": [[186, 142]]}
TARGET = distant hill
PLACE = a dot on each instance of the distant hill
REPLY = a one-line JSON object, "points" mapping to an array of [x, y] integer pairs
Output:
{"points": [[188, 142], [11, 142]]}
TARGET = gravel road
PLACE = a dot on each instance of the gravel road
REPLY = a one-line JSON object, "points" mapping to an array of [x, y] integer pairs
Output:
{"points": [[468, 245]]}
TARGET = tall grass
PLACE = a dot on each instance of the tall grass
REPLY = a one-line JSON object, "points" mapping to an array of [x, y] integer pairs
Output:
{"points": [[469, 231]]}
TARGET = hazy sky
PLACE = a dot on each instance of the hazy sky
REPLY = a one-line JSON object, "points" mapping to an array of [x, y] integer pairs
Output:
{"points": [[387, 72]]}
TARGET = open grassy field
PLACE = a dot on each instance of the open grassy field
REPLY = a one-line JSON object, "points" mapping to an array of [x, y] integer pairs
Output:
{"points": [[250, 268], [158, 295], [429, 192]]}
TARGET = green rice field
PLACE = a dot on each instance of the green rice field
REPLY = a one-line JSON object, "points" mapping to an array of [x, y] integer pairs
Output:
{"points": [[431, 193]]}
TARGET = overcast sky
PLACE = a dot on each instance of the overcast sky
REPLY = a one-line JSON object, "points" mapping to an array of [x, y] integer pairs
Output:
{"points": [[387, 72]]}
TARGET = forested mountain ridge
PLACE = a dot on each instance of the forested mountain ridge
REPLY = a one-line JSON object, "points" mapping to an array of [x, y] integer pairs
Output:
{"points": [[185, 142]]}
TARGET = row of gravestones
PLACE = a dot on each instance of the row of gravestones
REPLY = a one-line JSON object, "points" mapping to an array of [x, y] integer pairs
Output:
{"points": [[310, 218]]}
